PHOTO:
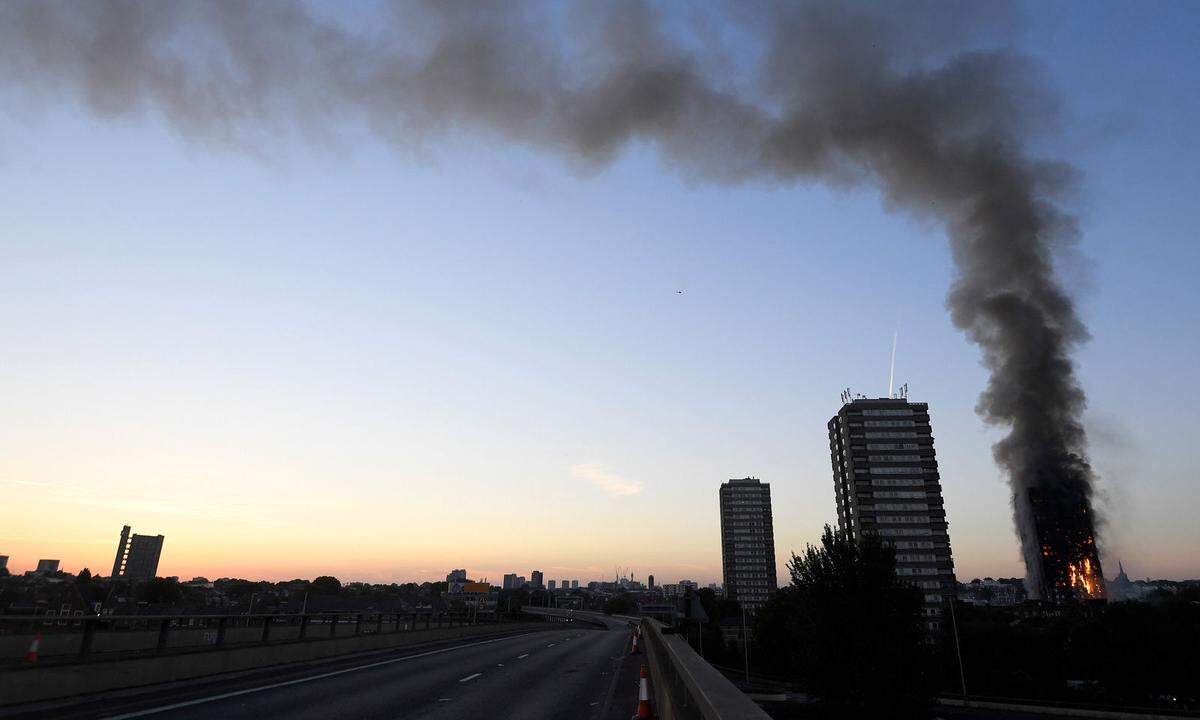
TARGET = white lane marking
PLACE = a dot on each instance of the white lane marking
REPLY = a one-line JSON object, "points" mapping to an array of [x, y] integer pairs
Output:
{"points": [[469, 678], [297, 681], [499, 664], [550, 645], [522, 657]]}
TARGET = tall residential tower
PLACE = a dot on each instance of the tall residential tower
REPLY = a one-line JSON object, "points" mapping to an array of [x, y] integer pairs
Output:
{"points": [[885, 478], [137, 556], [747, 542]]}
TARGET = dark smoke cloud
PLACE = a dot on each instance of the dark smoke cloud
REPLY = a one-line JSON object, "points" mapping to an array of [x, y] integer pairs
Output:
{"points": [[838, 93]]}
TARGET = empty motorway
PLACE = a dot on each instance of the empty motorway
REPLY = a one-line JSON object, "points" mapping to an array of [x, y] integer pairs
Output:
{"points": [[567, 671]]}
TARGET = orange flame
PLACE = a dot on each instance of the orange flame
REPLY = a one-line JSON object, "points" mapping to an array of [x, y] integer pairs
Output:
{"points": [[1082, 577]]}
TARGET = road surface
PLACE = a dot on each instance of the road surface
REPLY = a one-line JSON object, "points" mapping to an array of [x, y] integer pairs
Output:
{"points": [[568, 671]]}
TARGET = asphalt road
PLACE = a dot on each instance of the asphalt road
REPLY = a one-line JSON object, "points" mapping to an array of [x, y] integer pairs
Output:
{"points": [[571, 671]]}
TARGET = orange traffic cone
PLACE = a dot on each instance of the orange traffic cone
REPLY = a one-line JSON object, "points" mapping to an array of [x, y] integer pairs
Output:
{"points": [[635, 650], [643, 710], [31, 656]]}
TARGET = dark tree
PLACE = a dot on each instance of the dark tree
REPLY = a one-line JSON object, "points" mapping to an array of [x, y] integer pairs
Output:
{"points": [[847, 627], [618, 604], [159, 591], [326, 585], [84, 576]]}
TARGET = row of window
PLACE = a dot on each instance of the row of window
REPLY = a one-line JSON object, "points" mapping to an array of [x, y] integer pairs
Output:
{"points": [[898, 482], [887, 423], [900, 506], [894, 470], [885, 412], [894, 458], [912, 544], [889, 435], [917, 571], [903, 519], [891, 446], [898, 494]]}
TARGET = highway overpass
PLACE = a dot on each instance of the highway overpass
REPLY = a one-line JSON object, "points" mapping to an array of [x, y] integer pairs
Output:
{"points": [[537, 670]]}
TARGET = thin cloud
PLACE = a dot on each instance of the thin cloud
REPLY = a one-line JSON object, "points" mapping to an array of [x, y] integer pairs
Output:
{"points": [[606, 481]]}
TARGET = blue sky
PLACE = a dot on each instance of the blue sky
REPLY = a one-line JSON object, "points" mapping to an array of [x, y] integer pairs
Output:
{"points": [[383, 364]]}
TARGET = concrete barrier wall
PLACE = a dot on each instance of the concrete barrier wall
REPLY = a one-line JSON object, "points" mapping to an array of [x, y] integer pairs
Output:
{"points": [[685, 686], [29, 684], [57, 643]]}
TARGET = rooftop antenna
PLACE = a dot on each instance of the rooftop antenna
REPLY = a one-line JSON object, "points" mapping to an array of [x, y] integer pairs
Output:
{"points": [[892, 371]]}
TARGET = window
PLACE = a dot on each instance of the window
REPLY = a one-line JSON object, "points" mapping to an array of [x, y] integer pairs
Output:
{"points": [[889, 423], [895, 412]]}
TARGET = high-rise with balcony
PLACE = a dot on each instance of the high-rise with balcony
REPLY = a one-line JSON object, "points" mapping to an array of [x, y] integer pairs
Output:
{"points": [[747, 542], [885, 478]]}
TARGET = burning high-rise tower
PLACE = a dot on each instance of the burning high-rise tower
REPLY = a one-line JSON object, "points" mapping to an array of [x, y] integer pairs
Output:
{"points": [[1069, 564]]}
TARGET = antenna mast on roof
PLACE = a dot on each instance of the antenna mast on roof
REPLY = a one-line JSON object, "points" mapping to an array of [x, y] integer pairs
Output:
{"points": [[892, 371]]}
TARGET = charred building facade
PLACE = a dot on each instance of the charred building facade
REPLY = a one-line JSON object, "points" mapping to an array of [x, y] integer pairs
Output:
{"points": [[1069, 562], [886, 482]]}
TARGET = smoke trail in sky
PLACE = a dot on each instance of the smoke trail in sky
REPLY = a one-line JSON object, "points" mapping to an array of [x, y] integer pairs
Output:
{"points": [[837, 92]]}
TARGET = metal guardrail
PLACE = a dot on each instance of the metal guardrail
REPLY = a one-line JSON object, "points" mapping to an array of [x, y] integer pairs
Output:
{"points": [[83, 638]]}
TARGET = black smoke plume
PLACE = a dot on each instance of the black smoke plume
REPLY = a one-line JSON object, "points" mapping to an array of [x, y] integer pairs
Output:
{"points": [[900, 96]]}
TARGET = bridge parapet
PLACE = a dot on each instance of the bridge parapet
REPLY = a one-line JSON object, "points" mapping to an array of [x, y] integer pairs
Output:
{"points": [[685, 685]]}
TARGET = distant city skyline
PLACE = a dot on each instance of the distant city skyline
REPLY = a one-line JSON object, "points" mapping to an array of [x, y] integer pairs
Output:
{"points": [[336, 354]]}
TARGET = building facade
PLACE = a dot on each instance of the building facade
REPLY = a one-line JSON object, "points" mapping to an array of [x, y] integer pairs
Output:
{"points": [[535, 579], [137, 556], [886, 481], [747, 542], [46, 567], [510, 581]]}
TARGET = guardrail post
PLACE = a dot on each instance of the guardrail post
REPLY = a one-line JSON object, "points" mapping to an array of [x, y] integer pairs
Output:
{"points": [[164, 629], [266, 633], [333, 621], [379, 624], [303, 625], [221, 631], [89, 632], [358, 624]]}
